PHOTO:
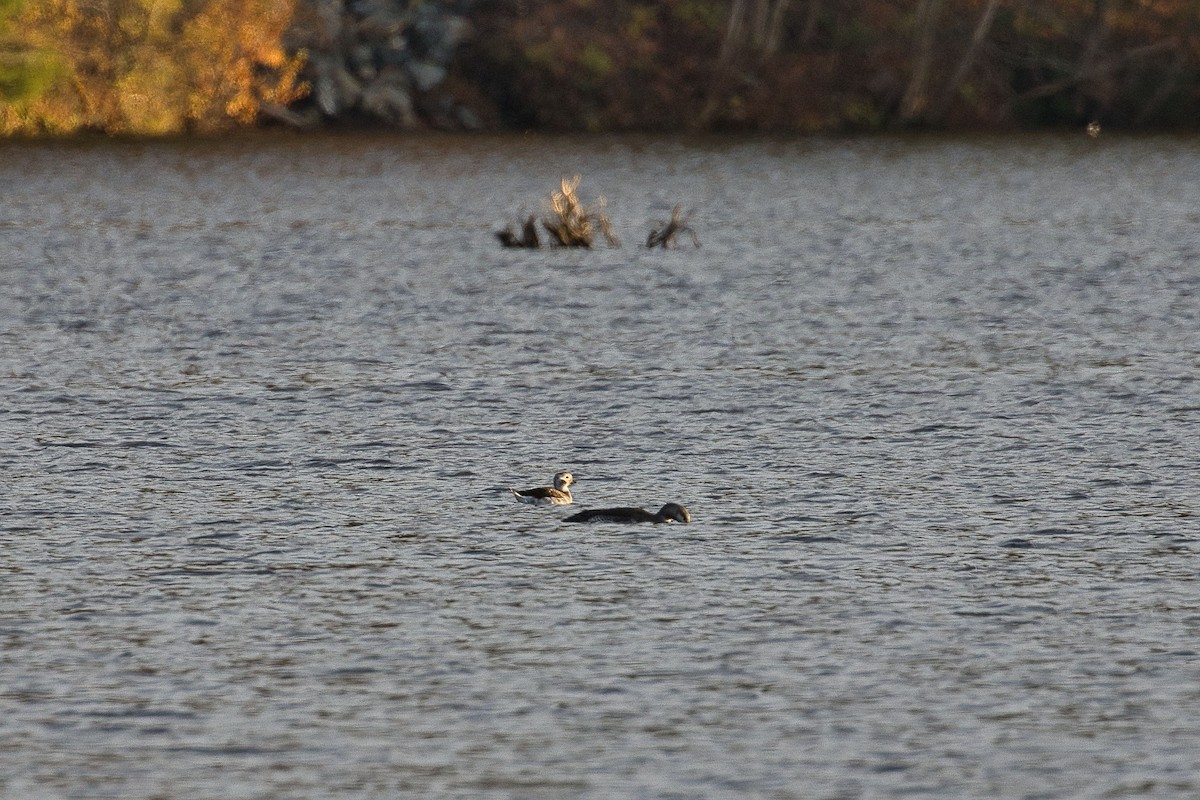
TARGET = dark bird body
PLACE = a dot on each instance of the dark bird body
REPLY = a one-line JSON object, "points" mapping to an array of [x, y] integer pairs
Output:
{"points": [[671, 512]]}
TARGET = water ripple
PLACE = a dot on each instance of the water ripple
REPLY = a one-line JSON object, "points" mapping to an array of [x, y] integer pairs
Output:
{"points": [[934, 433]]}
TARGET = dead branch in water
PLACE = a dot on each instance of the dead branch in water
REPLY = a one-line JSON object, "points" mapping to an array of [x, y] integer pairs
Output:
{"points": [[665, 234], [573, 224], [528, 237]]}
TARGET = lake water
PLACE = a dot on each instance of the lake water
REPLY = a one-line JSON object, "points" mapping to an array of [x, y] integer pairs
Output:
{"points": [[933, 406]]}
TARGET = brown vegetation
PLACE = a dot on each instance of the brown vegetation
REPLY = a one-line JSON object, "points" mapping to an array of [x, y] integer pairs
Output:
{"points": [[569, 221], [573, 224]]}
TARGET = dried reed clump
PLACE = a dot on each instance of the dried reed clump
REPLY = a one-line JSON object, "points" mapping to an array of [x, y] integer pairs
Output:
{"points": [[666, 233], [571, 222]]}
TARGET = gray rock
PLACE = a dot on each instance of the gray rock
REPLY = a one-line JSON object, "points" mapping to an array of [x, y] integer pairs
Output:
{"points": [[348, 87], [365, 8], [374, 55], [328, 14], [389, 102], [325, 95], [378, 27], [325, 90], [426, 75], [394, 51], [467, 119], [457, 29], [433, 34], [363, 61]]}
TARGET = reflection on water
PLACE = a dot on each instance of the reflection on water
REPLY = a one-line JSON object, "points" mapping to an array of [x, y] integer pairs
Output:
{"points": [[931, 405]]}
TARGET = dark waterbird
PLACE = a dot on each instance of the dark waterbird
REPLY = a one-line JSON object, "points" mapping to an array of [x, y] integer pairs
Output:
{"points": [[671, 512]]}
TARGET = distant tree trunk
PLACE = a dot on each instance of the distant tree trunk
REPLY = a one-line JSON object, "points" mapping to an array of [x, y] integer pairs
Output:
{"points": [[735, 28], [809, 31], [982, 28], [916, 94], [754, 28], [721, 78], [769, 26], [1097, 34], [1165, 89]]}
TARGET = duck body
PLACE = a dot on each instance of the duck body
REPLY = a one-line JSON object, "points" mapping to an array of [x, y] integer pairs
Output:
{"points": [[671, 512], [557, 495]]}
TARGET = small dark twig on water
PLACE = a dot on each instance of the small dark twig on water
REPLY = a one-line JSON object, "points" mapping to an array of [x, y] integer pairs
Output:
{"points": [[665, 234], [528, 237]]}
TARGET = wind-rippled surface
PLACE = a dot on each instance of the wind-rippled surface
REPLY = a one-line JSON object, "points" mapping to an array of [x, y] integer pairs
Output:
{"points": [[932, 405]]}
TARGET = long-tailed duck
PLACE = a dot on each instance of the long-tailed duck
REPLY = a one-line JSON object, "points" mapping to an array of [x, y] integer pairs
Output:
{"points": [[671, 512], [557, 495]]}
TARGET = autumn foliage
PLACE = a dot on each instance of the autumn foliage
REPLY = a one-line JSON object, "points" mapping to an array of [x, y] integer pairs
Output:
{"points": [[147, 66]]}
